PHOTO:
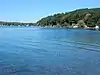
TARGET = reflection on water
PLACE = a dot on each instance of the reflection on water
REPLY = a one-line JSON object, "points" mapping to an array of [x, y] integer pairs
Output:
{"points": [[49, 51]]}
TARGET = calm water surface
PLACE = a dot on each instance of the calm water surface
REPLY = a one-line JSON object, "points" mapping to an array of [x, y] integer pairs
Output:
{"points": [[49, 51]]}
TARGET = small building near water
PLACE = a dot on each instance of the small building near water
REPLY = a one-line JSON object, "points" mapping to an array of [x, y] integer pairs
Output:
{"points": [[96, 27], [75, 26]]}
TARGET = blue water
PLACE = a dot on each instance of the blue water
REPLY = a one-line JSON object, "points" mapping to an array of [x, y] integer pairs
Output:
{"points": [[49, 51]]}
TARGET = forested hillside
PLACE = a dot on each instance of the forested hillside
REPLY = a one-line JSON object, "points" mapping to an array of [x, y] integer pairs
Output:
{"points": [[79, 17]]}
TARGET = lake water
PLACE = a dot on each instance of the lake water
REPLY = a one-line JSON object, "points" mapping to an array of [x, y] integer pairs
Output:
{"points": [[49, 51]]}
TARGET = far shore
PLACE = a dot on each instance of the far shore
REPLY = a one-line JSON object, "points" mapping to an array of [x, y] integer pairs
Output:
{"points": [[56, 26]]}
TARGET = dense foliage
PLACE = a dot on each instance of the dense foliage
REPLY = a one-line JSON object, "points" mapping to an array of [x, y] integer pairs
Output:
{"points": [[80, 17]]}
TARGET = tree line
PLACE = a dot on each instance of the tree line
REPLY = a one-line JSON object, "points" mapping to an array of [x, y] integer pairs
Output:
{"points": [[16, 23]]}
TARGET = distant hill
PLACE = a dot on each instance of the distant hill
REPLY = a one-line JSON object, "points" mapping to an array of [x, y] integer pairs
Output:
{"points": [[16, 23], [80, 17]]}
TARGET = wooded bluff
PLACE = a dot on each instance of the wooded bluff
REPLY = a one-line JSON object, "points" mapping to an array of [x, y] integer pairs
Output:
{"points": [[79, 17]]}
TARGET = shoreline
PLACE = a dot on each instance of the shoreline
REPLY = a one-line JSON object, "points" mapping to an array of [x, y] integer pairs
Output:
{"points": [[70, 27]]}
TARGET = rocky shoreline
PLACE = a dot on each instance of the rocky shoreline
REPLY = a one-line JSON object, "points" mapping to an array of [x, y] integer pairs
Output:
{"points": [[73, 27]]}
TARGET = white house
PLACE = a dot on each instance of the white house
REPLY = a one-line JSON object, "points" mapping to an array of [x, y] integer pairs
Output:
{"points": [[75, 26], [96, 27]]}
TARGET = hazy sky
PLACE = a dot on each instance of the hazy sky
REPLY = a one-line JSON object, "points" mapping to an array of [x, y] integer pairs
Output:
{"points": [[33, 10]]}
